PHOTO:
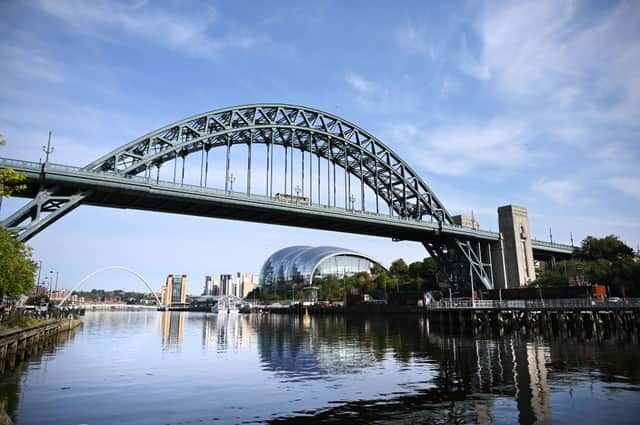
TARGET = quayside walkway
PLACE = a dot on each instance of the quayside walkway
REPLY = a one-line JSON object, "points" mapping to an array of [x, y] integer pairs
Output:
{"points": [[573, 315], [571, 304]]}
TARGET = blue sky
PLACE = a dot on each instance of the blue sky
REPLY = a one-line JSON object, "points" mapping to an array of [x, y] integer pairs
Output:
{"points": [[531, 103]]}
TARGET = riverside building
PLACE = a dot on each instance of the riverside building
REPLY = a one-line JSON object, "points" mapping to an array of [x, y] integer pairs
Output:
{"points": [[302, 265], [175, 290]]}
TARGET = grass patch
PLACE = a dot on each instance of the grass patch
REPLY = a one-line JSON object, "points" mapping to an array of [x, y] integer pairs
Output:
{"points": [[16, 321]]}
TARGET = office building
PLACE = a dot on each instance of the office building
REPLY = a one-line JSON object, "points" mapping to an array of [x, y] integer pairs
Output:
{"points": [[175, 290], [225, 284]]}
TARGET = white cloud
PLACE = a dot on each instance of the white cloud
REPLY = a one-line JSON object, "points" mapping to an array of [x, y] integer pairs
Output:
{"points": [[31, 62], [558, 51], [462, 149], [630, 186], [560, 191], [187, 32], [359, 83]]}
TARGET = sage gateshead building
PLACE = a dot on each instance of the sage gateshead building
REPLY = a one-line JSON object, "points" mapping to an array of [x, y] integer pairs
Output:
{"points": [[304, 265]]}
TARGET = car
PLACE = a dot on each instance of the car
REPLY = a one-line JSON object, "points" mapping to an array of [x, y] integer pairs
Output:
{"points": [[614, 300]]}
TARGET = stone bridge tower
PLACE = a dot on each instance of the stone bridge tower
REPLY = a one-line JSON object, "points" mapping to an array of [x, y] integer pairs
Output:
{"points": [[514, 265]]}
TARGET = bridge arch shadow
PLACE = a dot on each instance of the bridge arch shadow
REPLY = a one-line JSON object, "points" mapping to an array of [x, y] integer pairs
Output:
{"points": [[127, 269]]}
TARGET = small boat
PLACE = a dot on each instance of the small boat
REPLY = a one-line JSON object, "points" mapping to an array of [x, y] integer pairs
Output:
{"points": [[228, 308]]}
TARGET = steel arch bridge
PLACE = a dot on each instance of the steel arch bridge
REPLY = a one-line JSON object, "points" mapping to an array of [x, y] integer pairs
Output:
{"points": [[130, 177]]}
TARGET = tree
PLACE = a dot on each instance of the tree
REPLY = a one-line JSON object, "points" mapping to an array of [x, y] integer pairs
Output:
{"points": [[10, 181], [416, 269], [608, 248], [17, 270], [377, 269], [431, 273], [399, 267]]}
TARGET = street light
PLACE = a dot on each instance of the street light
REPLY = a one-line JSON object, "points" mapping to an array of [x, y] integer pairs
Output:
{"points": [[230, 179], [298, 190], [57, 276], [47, 284], [47, 149], [38, 280]]}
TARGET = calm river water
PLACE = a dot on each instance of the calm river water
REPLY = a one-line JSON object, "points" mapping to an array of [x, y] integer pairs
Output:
{"points": [[197, 368]]}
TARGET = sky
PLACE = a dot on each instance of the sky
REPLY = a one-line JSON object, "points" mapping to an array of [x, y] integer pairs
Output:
{"points": [[492, 103]]}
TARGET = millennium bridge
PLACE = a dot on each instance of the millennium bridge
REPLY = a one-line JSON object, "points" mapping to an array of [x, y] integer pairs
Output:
{"points": [[346, 180]]}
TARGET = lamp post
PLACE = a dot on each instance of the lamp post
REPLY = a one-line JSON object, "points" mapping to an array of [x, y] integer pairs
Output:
{"points": [[298, 190], [47, 284], [47, 149], [230, 179], [38, 280], [55, 289], [50, 282]]}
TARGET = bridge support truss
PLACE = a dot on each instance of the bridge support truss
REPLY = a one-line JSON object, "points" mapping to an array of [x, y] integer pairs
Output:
{"points": [[467, 263], [45, 209]]}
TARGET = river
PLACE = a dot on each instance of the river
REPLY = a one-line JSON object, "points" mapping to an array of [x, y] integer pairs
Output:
{"points": [[196, 368]]}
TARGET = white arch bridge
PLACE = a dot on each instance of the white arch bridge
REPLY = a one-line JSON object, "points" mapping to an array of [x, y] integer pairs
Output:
{"points": [[126, 269], [293, 165]]}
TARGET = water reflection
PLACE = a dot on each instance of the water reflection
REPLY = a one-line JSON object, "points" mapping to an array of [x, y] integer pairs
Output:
{"points": [[172, 328], [11, 380], [235, 368], [471, 373], [457, 378], [227, 330]]}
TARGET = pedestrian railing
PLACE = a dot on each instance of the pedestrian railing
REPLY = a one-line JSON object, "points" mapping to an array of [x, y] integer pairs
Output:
{"points": [[533, 304]]}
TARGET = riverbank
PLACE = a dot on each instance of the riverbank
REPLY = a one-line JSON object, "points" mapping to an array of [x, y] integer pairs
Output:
{"points": [[18, 343]]}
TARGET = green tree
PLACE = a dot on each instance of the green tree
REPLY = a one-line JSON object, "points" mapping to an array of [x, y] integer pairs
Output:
{"points": [[551, 277], [377, 269], [431, 274], [609, 248], [416, 269], [10, 181], [399, 267], [17, 270]]}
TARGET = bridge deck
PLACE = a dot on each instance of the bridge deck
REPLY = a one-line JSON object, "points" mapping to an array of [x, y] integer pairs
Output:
{"points": [[119, 191]]}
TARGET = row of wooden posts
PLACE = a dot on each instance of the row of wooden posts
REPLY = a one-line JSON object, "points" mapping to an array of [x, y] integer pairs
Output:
{"points": [[16, 345], [561, 320]]}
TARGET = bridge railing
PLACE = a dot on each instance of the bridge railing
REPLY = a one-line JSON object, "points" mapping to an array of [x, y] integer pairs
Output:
{"points": [[551, 244], [568, 304], [35, 166], [194, 188]]}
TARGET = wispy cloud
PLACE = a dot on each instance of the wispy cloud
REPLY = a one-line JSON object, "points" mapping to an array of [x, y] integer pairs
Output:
{"points": [[630, 186], [359, 83], [463, 148], [191, 33], [20, 62], [543, 49], [561, 191]]}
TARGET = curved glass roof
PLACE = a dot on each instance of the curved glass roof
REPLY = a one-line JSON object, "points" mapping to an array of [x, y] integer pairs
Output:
{"points": [[295, 264]]}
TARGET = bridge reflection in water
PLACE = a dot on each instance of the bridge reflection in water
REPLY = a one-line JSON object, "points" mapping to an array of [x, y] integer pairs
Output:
{"points": [[455, 377]]}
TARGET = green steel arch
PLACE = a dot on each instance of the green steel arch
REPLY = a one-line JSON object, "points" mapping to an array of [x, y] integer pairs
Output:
{"points": [[316, 134], [292, 127]]}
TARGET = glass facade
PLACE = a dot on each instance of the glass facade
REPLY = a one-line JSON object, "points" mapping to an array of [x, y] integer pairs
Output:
{"points": [[301, 265]]}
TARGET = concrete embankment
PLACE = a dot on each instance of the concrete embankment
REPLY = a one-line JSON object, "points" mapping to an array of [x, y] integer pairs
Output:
{"points": [[16, 344], [597, 319]]}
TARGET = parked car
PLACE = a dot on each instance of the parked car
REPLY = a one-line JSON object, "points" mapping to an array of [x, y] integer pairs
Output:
{"points": [[614, 300]]}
